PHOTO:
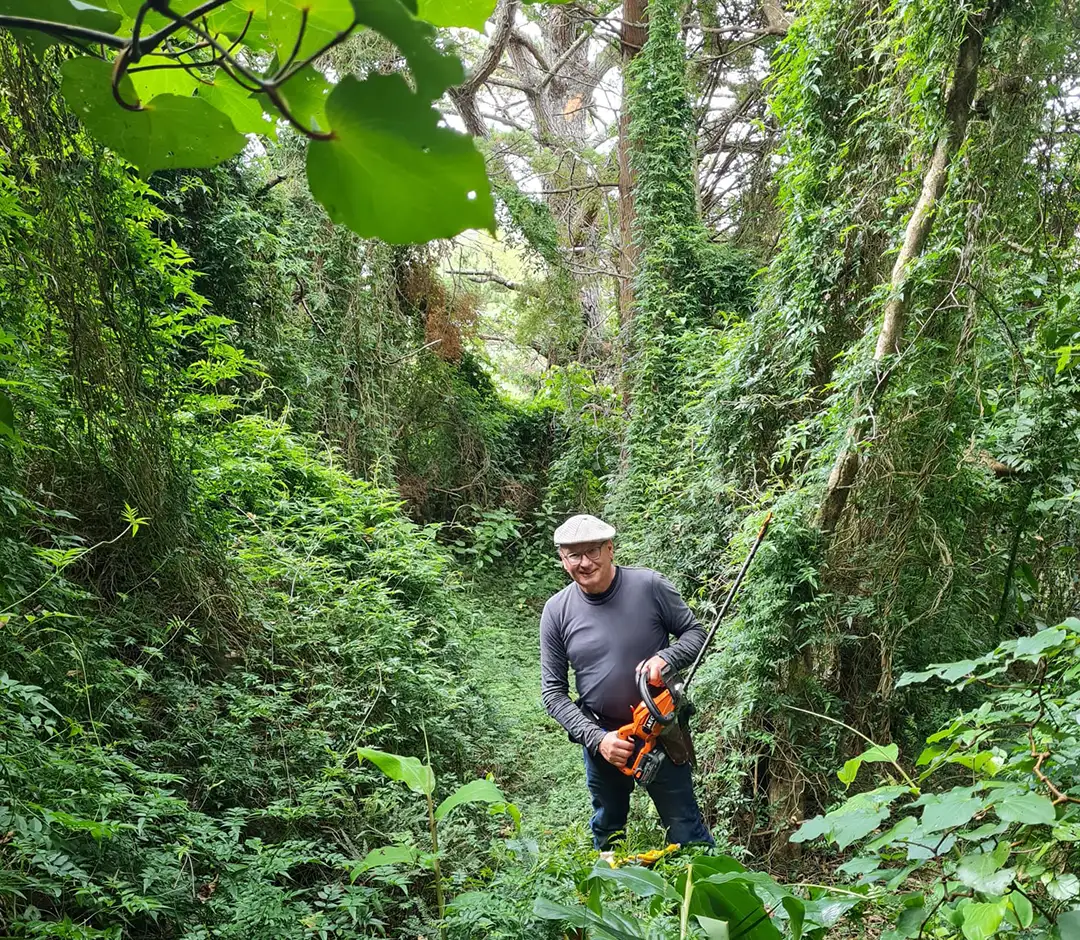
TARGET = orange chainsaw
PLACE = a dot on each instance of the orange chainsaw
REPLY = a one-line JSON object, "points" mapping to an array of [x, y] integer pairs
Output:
{"points": [[659, 705]]}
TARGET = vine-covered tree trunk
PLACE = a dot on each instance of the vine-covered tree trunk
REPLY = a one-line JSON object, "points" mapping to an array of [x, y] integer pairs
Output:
{"points": [[958, 106], [633, 34]]}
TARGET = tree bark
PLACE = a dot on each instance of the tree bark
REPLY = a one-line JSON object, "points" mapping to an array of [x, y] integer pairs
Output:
{"points": [[958, 107], [631, 39]]}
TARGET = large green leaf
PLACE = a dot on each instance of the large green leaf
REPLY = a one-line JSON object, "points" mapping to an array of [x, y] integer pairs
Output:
{"points": [[313, 22], [982, 919], [984, 873], [947, 810], [152, 77], [714, 929], [391, 171], [796, 911], [472, 13], [877, 754], [387, 855], [1068, 925], [852, 820], [305, 95], [68, 12], [605, 924], [640, 881], [1034, 809], [1031, 647], [1021, 909], [169, 133], [416, 775], [434, 71], [237, 103], [476, 791]]}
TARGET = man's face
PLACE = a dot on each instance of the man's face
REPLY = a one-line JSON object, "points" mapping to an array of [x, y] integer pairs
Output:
{"points": [[590, 564]]}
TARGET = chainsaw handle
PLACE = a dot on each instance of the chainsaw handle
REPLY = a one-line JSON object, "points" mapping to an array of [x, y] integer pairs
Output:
{"points": [[647, 698]]}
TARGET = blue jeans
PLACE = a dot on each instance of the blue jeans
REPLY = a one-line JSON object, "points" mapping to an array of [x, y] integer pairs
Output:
{"points": [[672, 793]]}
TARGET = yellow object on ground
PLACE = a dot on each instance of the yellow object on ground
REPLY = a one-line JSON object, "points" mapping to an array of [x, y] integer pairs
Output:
{"points": [[646, 859]]}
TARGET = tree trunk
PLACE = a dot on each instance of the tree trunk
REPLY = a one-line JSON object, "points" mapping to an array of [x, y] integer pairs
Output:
{"points": [[958, 104], [632, 38]]}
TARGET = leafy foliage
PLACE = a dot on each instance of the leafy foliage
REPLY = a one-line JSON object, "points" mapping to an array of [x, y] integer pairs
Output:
{"points": [[982, 842], [374, 139]]}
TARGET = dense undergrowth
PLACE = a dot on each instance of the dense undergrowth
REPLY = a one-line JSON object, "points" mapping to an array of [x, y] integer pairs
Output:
{"points": [[263, 506]]}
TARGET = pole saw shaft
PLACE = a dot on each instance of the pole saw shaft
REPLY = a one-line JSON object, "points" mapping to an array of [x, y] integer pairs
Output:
{"points": [[727, 600], [659, 703]]}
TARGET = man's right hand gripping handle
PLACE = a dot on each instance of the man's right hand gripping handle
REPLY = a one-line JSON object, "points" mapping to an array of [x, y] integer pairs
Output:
{"points": [[615, 750]]}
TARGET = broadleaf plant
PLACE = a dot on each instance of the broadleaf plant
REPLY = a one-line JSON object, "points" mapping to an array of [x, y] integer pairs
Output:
{"points": [[181, 85], [985, 844]]}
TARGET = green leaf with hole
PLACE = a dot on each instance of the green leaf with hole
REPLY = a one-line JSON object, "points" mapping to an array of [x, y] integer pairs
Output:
{"points": [[391, 171], [472, 13], [433, 71], [410, 771], [169, 133], [476, 791], [877, 754]]}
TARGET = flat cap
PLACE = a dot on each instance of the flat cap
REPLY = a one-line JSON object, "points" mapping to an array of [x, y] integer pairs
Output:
{"points": [[583, 528]]}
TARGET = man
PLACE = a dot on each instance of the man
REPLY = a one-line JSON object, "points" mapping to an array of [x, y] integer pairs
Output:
{"points": [[610, 622]]}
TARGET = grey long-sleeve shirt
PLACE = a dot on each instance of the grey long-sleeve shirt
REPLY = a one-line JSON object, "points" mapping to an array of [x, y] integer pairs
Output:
{"points": [[604, 637]]}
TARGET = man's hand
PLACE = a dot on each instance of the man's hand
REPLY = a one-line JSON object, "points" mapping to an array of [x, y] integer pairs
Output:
{"points": [[615, 750], [652, 666]]}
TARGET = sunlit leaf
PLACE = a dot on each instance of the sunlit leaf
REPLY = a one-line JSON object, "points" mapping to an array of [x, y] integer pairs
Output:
{"points": [[245, 111], [476, 791], [984, 874], [875, 755], [1031, 647], [162, 135], [852, 820], [946, 810], [472, 13], [391, 171], [154, 75], [417, 776], [314, 23], [69, 12], [305, 95], [982, 919], [433, 70], [387, 855]]}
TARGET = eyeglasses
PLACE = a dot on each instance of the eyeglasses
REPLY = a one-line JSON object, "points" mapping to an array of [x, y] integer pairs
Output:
{"points": [[593, 554]]}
